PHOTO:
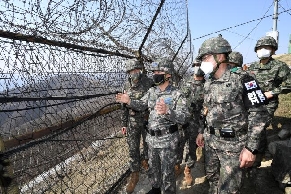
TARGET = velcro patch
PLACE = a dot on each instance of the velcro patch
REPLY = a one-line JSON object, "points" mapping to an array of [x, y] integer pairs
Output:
{"points": [[168, 100], [253, 96]]}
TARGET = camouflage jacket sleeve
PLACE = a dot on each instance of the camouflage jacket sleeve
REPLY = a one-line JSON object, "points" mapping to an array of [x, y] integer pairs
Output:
{"points": [[184, 88], [124, 116], [283, 78], [202, 123], [257, 120], [142, 104], [125, 110], [286, 85]]}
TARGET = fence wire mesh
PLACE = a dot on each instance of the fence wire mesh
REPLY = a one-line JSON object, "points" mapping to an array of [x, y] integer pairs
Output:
{"points": [[61, 64]]}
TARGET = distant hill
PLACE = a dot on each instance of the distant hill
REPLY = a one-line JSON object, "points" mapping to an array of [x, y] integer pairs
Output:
{"points": [[284, 57], [34, 114]]}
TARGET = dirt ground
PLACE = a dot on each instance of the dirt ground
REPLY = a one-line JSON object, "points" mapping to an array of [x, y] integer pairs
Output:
{"points": [[262, 183]]}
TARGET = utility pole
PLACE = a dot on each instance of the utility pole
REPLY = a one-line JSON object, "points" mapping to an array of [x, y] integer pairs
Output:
{"points": [[274, 33], [275, 16]]}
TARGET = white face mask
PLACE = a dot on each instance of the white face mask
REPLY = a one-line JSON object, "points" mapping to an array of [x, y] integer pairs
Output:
{"points": [[206, 67], [263, 53], [195, 69]]}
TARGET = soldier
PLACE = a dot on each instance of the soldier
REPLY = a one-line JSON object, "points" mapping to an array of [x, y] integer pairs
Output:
{"points": [[133, 121], [235, 116], [192, 88], [271, 75], [235, 59], [167, 107], [8, 184]]}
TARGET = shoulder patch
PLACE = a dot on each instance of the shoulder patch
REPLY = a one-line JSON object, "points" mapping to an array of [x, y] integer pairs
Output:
{"points": [[234, 70], [253, 96]]}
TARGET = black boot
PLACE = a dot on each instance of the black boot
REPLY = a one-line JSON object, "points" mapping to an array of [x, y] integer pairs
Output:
{"points": [[154, 191]]}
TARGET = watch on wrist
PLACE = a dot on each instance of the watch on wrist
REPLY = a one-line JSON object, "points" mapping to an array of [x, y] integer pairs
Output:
{"points": [[272, 93], [254, 152]]}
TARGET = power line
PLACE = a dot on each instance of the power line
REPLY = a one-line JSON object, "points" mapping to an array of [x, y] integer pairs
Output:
{"points": [[284, 9], [239, 25], [253, 28], [240, 35], [287, 3]]}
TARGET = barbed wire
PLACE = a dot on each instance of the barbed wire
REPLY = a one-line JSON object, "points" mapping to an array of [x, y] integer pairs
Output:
{"points": [[20, 99], [61, 64]]}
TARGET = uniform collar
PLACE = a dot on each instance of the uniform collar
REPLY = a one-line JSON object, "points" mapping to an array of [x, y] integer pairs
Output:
{"points": [[225, 77], [167, 89], [268, 65]]}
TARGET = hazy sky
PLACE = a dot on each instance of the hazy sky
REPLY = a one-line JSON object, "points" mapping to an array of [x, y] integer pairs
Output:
{"points": [[209, 16]]}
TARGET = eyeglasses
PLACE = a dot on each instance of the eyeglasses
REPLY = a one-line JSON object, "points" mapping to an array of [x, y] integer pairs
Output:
{"points": [[206, 57]]}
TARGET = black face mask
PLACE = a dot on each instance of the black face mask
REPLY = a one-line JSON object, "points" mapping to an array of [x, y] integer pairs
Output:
{"points": [[159, 79]]}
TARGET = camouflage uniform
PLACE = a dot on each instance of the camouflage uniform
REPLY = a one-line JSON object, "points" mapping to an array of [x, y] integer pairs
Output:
{"points": [[162, 137], [236, 59], [193, 91], [271, 77], [8, 184], [231, 122], [135, 121]]}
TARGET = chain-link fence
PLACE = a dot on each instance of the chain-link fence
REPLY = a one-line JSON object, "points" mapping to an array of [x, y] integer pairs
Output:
{"points": [[61, 64]]}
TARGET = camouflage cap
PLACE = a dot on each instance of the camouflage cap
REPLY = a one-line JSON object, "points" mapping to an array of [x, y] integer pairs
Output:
{"points": [[165, 65], [133, 64], [236, 58], [267, 41], [215, 45]]}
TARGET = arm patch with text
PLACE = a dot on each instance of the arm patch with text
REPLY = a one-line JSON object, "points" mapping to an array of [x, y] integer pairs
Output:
{"points": [[253, 96]]}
